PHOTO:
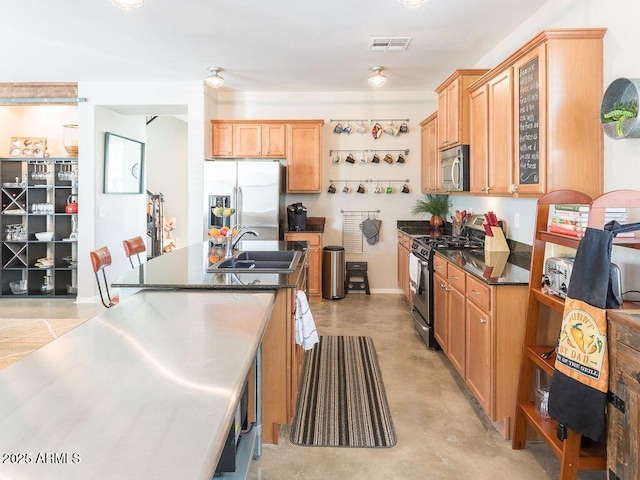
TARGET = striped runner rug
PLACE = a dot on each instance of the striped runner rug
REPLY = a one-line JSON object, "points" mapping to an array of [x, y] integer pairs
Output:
{"points": [[341, 401]]}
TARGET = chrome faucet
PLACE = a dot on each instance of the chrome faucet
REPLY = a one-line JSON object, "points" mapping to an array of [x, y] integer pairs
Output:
{"points": [[231, 243]]}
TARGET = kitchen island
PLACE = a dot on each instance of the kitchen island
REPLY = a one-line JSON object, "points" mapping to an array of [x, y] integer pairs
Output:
{"points": [[186, 269], [147, 389]]}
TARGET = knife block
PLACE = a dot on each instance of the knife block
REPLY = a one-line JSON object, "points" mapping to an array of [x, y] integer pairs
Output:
{"points": [[497, 243]]}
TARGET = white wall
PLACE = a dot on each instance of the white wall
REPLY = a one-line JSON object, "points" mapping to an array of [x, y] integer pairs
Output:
{"points": [[119, 216], [166, 172], [127, 99], [621, 59], [352, 105]]}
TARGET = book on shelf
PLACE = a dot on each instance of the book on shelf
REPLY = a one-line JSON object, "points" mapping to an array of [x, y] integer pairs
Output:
{"points": [[569, 207]]}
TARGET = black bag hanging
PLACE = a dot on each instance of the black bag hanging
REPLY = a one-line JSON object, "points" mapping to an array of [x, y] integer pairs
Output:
{"points": [[578, 393]]}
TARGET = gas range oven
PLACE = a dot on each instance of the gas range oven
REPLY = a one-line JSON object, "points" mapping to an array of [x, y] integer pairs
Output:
{"points": [[421, 272]]}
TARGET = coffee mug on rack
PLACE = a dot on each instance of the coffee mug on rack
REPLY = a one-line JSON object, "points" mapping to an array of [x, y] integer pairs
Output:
{"points": [[376, 131], [405, 188], [363, 158], [388, 158], [390, 189], [404, 128], [361, 189], [336, 158], [400, 159], [346, 129], [350, 159], [361, 128], [375, 158], [378, 189], [338, 128], [346, 189], [332, 188]]}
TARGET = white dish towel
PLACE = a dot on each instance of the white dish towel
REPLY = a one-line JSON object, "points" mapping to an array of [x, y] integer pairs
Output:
{"points": [[414, 272], [306, 333]]}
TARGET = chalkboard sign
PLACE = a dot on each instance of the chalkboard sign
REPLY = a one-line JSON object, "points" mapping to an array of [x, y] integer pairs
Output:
{"points": [[529, 123]]}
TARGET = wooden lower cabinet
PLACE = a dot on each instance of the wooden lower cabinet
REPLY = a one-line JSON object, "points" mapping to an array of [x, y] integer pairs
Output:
{"points": [[404, 251], [624, 382], [480, 329], [281, 364], [315, 261]]}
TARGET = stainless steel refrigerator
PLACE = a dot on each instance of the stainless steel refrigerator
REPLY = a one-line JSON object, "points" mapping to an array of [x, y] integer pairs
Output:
{"points": [[253, 188]]}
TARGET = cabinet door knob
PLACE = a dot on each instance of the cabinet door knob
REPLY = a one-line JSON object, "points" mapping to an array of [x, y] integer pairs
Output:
{"points": [[454, 277], [514, 188], [475, 292], [482, 321], [483, 189]]}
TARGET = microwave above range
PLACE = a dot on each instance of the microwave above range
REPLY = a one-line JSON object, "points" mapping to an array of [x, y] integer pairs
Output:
{"points": [[454, 164]]}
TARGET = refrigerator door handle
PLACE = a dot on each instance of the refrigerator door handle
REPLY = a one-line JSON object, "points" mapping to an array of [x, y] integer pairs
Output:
{"points": [[239, 206]]}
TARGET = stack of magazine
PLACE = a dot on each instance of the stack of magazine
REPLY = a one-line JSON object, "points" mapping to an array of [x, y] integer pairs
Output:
{"points": [[572, 220]]}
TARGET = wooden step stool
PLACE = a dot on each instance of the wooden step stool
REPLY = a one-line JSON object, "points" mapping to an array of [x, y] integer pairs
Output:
{"points": [[359, 271]]}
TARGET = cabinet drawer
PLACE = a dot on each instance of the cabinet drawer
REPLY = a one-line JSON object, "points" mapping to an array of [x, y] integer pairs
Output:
{"points": [[628, 336], [628, 368], [440, 265], [479, 293], [457, 277], [314, 239]]}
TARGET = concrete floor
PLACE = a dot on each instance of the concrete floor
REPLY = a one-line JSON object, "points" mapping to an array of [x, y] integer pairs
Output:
{"points": [[442, 432]]}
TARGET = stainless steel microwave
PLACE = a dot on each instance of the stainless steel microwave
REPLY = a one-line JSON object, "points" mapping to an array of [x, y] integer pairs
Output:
{"points": [[454, 164]]}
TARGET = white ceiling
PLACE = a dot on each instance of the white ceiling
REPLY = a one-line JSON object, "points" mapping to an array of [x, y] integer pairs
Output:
{"points": [[262, 45]]}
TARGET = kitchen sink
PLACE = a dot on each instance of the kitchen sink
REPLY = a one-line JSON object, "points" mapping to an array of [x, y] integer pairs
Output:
{"points": [[259, 261]]}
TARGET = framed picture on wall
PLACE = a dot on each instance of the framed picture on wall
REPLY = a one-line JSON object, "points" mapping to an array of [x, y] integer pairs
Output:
{"points": [[123, 164]]}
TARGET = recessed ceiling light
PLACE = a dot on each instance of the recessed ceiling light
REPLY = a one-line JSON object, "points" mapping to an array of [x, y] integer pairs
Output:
{"points": [[377, 79], [127, 4], [214, 80]]}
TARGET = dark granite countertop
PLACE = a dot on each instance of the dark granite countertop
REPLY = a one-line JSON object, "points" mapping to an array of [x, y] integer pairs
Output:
{"points": [[472, 260], [186, 268]]}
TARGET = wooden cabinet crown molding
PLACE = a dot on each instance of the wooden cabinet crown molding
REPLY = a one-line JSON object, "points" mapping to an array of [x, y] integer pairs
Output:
{"points": [[540, 39], [460, 73]]}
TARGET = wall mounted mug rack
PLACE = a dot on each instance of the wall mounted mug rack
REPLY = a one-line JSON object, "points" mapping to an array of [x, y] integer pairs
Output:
{"points": [[336, 158], [361, 188]]}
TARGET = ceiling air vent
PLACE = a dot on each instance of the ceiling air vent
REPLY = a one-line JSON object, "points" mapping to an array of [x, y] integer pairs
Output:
{"points": [[389, 44]]}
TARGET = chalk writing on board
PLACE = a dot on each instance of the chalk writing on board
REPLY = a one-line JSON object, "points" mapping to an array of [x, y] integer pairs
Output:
{"points": [[529, 118]]}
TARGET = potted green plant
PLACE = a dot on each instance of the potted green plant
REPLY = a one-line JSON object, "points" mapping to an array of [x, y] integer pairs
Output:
{"points": [[437, 205], [619, 113]]}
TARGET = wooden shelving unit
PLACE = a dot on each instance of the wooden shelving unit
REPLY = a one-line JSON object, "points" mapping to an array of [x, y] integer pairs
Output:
{"points": [[543, 320], [544, 314]]}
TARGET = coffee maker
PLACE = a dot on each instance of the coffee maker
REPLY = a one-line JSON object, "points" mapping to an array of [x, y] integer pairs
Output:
{"points": [[297, 217]]}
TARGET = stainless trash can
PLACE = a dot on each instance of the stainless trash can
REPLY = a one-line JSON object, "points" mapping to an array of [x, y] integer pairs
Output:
{"points": [[333, 272]]}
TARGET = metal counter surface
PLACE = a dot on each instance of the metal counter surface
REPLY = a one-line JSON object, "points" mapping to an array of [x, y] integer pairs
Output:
{"points": [[145, 390], [186, 268]]}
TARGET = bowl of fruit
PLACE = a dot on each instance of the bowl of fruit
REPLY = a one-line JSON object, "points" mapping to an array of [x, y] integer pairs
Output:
{"points": [[218, 236], [223, 212]]}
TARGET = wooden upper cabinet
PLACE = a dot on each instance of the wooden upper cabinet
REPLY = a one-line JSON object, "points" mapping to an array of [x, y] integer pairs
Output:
{"points": [[222, 139], [479, 140], [429, 155], [453, 108], [557, 73], [304, 153], [491, 150], [247, 140], [274, 140], [500, 140]]}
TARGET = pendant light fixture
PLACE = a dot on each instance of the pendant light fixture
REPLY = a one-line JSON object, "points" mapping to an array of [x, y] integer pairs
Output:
{"points": [[412, 3], [128, 4], [377, 79], [214, 80]]}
